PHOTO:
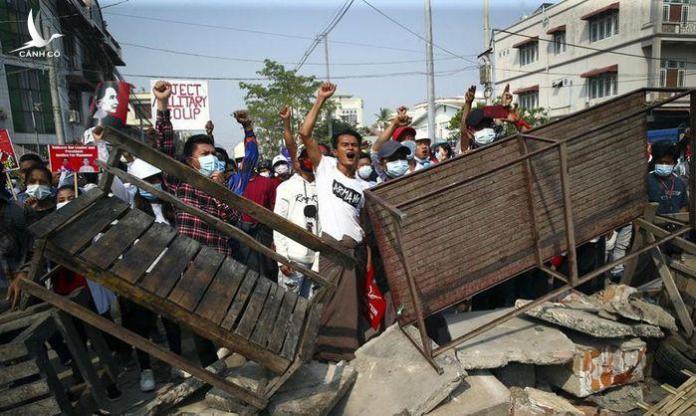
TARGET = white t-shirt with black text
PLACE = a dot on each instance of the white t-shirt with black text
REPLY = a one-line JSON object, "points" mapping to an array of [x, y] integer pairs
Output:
{"points": [[340, 200]]}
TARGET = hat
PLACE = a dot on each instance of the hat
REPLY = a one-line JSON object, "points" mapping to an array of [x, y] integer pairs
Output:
{"points": [[401, 131], [141, 169], [279, 159], [422, 139], [390, 148], [239, 151], [411, 146], [476, 118], [264, 164]]}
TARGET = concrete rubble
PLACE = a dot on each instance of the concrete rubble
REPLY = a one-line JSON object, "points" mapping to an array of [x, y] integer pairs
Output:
{"points": [[393, 378], [517, 340], [532, 402], [481, 394], [620, 399]]}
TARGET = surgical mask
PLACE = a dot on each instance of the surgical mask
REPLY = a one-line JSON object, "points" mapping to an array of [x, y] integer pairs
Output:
{"points": [[62, 204], [220, 167], [397, 168], [364, 172], [208, 164], [411, 144], [440, 157], [664, 170], [39, 191], [484, 136], [281, 169], [423, 162], [147, 195]]}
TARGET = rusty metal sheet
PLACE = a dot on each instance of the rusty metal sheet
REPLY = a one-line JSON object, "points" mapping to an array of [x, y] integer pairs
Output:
{"points": [[470, 237]]}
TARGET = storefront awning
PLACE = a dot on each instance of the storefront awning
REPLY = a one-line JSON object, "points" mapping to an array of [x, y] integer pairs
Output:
{"points": [[613, 6], [600, 71]]}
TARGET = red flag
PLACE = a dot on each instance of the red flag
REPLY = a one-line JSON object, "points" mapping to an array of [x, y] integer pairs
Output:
{"points": [[375, 304]]}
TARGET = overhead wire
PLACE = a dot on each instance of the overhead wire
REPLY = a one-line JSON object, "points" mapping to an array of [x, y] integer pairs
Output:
{"points": [[324, 32]]}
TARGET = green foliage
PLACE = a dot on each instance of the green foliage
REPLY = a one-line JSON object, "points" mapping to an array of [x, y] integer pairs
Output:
{"points": [[382, 118], [264, 101]]}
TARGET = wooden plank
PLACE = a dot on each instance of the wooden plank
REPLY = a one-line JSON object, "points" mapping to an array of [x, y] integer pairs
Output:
{"points": [[253, 309], [294, 328], [59, 217], [145, 251], [118, 238], [169, 268], [88, 224], [220, 192], [143, 344], [671, 287], [45, 407], [661, 233], [221, 226], [275, 342], [19, 394], [240, 299], [18, 371], [195, 281], [12, 352], [263, 330], [219, 295]]}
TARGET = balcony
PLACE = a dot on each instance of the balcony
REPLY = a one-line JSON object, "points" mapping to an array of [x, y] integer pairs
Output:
{"points": [[678, 27]]}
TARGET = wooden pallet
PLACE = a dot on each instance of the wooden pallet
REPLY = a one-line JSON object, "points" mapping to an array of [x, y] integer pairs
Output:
{"points": [[680, 402]]}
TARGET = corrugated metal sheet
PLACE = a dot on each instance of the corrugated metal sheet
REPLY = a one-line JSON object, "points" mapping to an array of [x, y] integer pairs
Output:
{"points": [[473, 236]]}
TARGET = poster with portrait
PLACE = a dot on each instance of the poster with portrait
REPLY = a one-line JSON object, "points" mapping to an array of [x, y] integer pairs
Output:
{"points": [[8, 158], [73, 158], [109, 108]]}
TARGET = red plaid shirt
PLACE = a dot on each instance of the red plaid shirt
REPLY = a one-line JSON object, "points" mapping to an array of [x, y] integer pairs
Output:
{"points": [[187, 224]]}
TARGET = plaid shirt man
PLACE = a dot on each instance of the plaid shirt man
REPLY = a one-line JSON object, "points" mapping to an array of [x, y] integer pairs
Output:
{"points": [[187, 224]]}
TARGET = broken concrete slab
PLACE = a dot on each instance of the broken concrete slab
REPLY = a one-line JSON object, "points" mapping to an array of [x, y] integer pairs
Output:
{"points": [[598, 364], [532, 402], [516, 375], [394, 378], [624, 301], [516, 340], [313, 390], [247, 376], [588, 322], [481, 394], [621, 399]]}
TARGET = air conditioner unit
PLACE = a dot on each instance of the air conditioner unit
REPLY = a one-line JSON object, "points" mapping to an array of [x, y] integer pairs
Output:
{"points": [[74, 117]]}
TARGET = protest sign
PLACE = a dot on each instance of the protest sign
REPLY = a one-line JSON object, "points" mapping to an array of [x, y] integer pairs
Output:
{"points": [[7, 153], [70, 158], [189, 104]]}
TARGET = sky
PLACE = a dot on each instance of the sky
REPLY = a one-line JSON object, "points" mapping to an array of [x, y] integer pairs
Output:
{"points": [[457, 27]]}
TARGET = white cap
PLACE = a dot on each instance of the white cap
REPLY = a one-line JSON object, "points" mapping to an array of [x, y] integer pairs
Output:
{"points": [[279, 159], [239, 151], [141, 169]]}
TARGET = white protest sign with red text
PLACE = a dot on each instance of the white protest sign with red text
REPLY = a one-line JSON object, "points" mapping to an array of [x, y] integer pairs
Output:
{"points": [[73, 158], [8, 159], [189, 104]]}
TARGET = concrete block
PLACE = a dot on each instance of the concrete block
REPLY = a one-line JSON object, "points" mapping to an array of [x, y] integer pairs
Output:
{"points": [[481, 394], [599, 364], [518, 340], [532, 402], [620, 399], [394, 378]]}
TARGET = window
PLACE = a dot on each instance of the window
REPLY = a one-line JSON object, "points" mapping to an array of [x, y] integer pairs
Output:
{"points": [[528, 100], [604, 26], [672, 73], [603, 85], [29, 91], [14, 15], [675, 11], [559, 42], [350, 116], [529, 53]]}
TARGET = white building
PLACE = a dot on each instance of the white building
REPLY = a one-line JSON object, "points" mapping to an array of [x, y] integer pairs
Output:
{"points": [[349, 109], [445, 109], [29, 108], [623, 45]]}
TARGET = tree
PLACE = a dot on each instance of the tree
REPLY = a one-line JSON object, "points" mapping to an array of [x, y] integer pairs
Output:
{"points": [[264, 100], [382, 118]]}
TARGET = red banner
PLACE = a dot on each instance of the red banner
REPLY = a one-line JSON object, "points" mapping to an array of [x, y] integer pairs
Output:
{"points": [[7, 153], [70, 158]]}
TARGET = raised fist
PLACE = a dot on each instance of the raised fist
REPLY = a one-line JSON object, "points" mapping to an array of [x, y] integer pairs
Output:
{"points": [[209, 127], [402, 117], [285, 113], [242, 117], [470, 94], [506, 99], [326, 90], [162, 90]]}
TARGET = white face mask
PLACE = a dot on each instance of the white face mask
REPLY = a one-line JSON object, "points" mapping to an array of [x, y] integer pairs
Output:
{"points": [[62, 204], [411, 144], [397, 168], [208, 164], [364, 172], [440, 157], [38, 191], [484, 136]]}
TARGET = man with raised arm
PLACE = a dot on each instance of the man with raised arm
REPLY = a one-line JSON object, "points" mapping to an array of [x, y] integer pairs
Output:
{"points": [[341, 201]]}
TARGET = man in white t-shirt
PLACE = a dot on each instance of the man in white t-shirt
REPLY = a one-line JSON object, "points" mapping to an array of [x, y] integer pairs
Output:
{"points": [[341, 201]]}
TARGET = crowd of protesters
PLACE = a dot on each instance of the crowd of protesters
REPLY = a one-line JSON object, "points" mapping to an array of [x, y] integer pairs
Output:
{"points": [[318, 188]]}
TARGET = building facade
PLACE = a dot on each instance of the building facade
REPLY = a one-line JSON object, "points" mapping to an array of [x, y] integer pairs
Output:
{"points": [[349, 109], [576, 53], [45, 99]]}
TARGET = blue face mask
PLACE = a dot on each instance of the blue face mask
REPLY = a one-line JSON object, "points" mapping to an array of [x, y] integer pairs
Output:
{"points": [[397, 168], [209, 164], [220, 166], [663, 170], [147, 195]]}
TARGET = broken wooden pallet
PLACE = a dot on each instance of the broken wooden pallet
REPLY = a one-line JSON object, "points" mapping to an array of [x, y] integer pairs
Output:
{"points": [[680, 402]]}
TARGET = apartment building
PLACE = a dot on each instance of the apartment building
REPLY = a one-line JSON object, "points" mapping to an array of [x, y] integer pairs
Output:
{"points": [[576, 53], [44, 90], [349, 109]]}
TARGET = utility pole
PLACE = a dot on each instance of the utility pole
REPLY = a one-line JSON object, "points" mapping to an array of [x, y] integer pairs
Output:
{"points": [[486, 45], [33, 121], [55, 94], [328, 78], [430, 71]]}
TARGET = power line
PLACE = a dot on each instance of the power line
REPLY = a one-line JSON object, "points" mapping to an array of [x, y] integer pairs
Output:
{"points": [[322, 35], [65, 16], [418, 35]]}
